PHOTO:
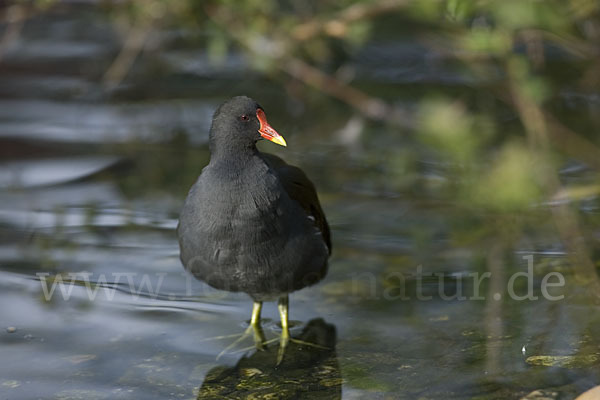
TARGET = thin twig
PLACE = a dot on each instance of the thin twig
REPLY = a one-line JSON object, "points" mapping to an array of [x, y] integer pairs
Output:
{"points": [[338, 25], [493, 308], [569, 43], [278, 54], [15, 19], [536, 123], [560, 136], [133, 46], [370, 106]]}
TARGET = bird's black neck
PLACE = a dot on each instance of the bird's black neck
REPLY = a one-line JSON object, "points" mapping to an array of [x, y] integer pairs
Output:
{"points": [[233, 158]]}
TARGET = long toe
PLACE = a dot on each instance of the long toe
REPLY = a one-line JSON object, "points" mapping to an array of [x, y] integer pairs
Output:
{"points": [[284, 340], [253, 330], [259, 337]]}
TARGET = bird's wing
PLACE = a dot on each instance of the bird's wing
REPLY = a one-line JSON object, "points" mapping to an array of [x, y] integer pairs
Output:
{"points": [[300, 188]]}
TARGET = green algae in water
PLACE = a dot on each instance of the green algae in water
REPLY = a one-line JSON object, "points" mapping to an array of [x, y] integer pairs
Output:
{"points": [[570, 362]]}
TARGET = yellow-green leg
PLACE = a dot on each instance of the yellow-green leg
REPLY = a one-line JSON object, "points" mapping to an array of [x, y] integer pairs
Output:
{"points": [[285, 339], [256, 309], [283, 306], [254, 329], [259, 335]]}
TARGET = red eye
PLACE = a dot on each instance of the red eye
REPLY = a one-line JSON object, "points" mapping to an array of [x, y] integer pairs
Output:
{"points": [[244, 117]]}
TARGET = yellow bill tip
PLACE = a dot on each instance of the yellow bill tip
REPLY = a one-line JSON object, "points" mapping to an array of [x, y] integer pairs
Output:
{"points": [[279, 140]]}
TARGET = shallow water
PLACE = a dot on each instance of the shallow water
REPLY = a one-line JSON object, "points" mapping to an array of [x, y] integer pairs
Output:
{"points": [[91, 185]]}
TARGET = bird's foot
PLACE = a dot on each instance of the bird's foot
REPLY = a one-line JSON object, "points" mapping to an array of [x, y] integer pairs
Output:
{"points": [[284, 341], [303, 343], [254, 330]]}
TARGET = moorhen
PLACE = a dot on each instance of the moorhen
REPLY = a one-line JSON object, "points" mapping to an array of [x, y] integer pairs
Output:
{"points": [[252, 223]]}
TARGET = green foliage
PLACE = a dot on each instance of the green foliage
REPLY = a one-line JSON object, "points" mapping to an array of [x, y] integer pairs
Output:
{"points": [[536, 88], [217, 46], [458, 10], [487, 41], [450, 127], [509, 41], [526, 14], [512, 181]]}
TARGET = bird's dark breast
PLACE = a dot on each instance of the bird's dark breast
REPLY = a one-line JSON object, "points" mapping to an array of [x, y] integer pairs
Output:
{"points": [[239, 238]]}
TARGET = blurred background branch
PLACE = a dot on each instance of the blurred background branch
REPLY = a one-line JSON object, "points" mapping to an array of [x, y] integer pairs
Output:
{"points": [[339, 25], [13, 18], [132, 46]]}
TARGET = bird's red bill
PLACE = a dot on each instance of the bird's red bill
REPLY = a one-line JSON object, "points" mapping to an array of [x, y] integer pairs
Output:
{"points": [[266, 131]]}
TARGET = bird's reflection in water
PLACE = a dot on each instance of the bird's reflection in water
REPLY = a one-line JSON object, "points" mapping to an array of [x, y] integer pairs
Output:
{"points": [[306, 372]]}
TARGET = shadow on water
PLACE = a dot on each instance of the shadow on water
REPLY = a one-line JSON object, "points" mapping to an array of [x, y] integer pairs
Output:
{"points": [[305, 373]]}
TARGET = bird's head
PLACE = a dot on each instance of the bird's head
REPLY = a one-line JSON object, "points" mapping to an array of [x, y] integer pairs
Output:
{"points": [[241, 121]]}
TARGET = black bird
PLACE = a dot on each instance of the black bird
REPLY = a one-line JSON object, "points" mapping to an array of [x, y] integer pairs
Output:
{"points": [[252, 223]]}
